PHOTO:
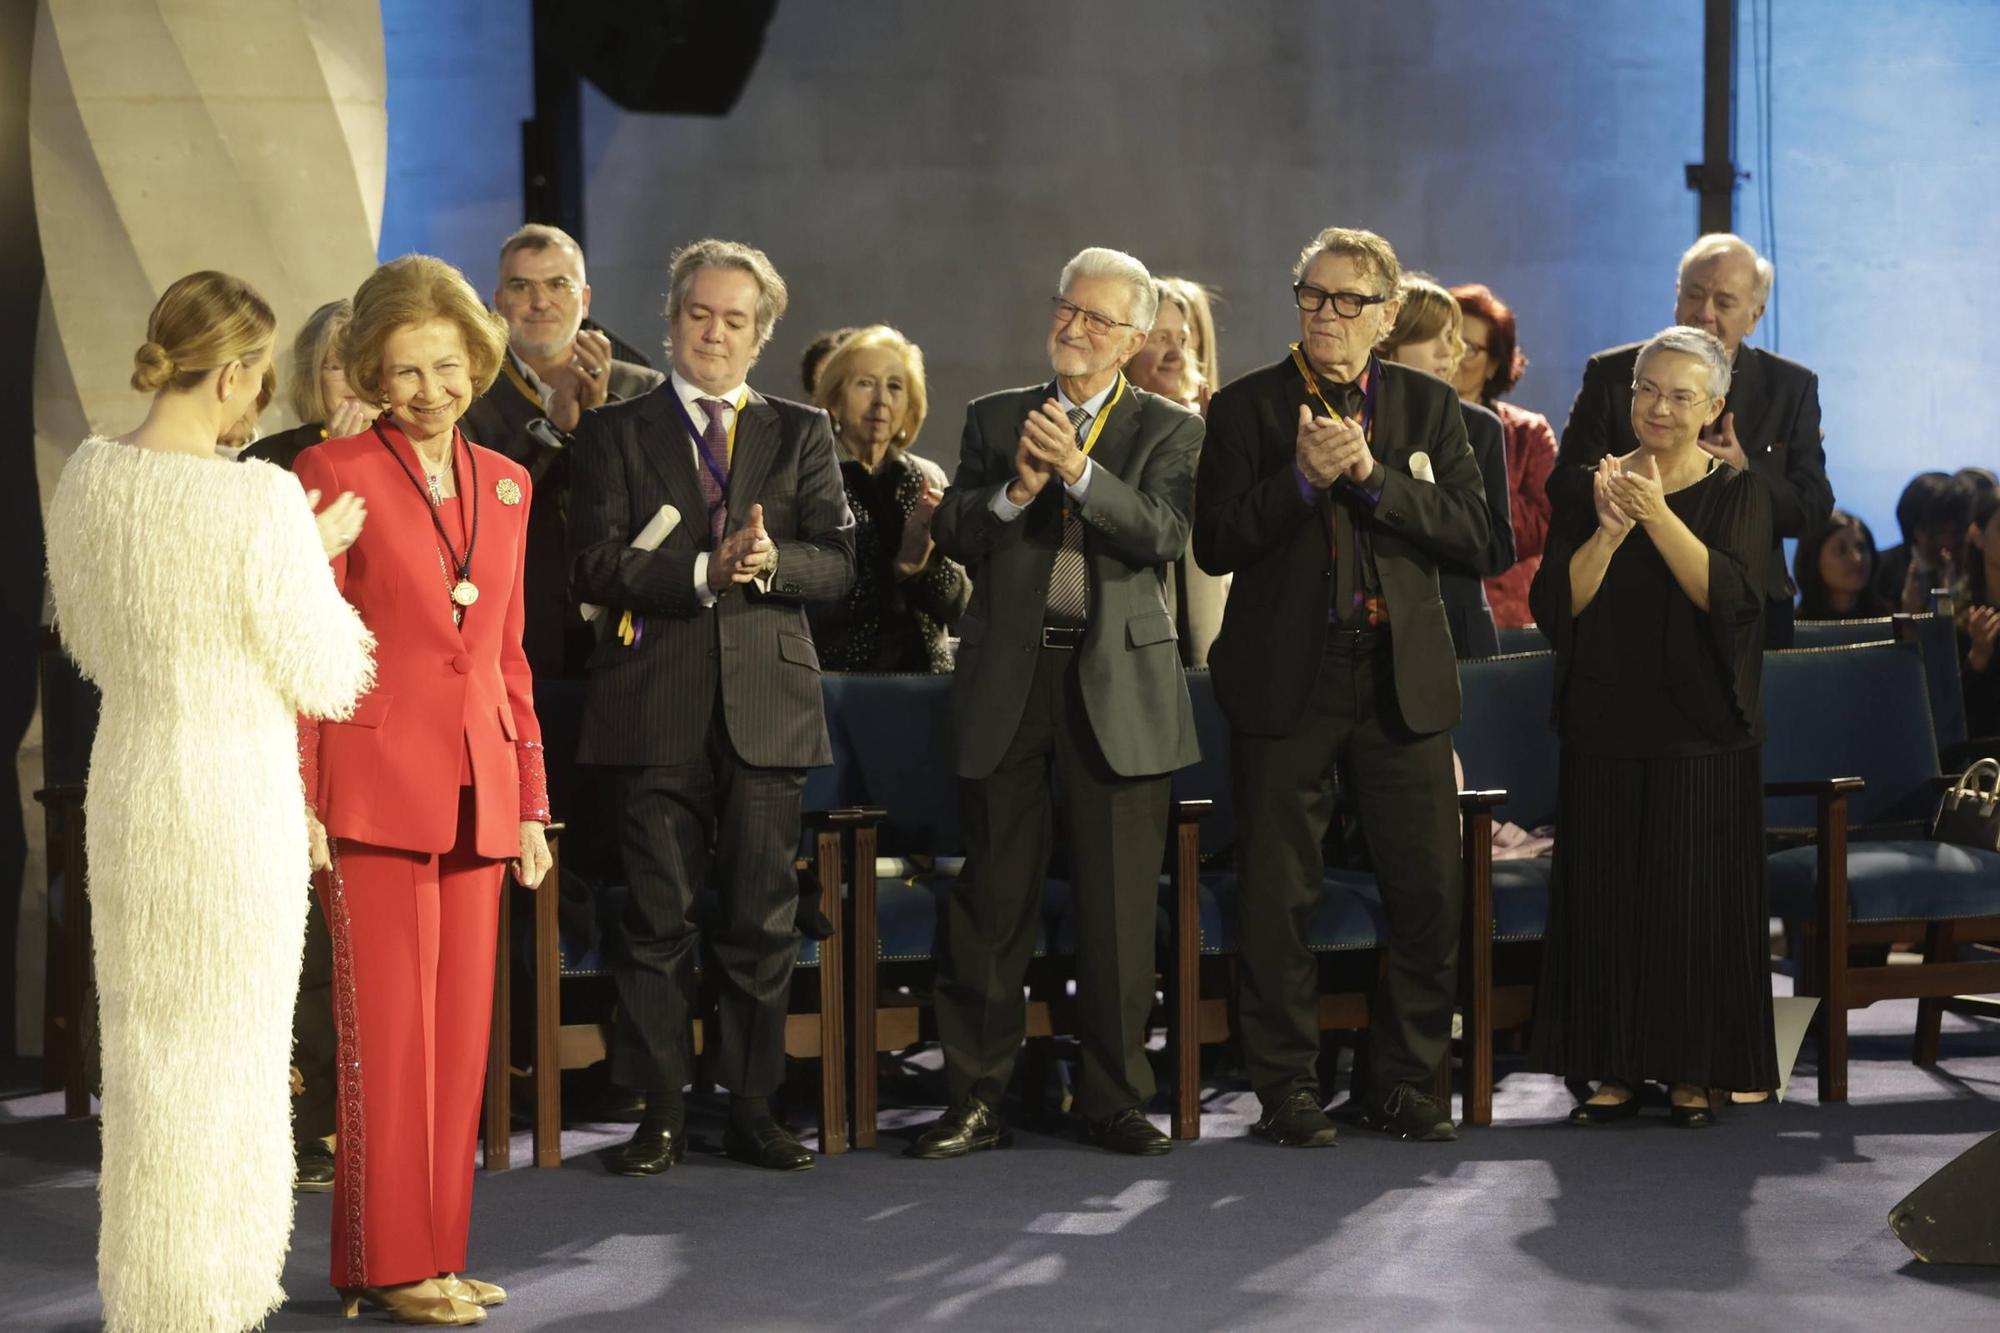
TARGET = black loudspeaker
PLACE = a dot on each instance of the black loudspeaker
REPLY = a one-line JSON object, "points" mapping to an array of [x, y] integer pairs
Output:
{"points": [[688, 57], [1954, 1217]]}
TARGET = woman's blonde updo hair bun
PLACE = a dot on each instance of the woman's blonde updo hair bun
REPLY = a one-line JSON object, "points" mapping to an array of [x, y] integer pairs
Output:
{"points": [[152, 368], [203, 322]]}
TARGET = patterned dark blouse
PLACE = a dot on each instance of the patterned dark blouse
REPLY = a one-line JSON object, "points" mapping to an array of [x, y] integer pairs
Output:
{"points": [[885, 623]]}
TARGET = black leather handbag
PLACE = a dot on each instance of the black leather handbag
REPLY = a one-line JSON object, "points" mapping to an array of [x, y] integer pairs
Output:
{"points": [[1969, 814]]}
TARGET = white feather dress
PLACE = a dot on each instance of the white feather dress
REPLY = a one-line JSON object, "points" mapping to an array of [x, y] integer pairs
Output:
{"points": [[195, 594]]}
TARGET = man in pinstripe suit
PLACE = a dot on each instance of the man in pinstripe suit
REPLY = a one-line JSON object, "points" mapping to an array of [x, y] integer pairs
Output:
{"points": [[1071, 501], [704, 696]]}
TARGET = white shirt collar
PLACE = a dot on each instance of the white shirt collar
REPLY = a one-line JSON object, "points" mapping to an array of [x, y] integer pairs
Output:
{"points": [[528, 373], [691, 397], [1090, 408]]}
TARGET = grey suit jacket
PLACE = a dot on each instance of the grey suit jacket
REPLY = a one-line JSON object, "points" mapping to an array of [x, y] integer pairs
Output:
{"points": [[652, 702], [1136, 524]]}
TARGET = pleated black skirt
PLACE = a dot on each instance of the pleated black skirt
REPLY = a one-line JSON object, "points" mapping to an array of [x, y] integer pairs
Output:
{"points": [[1657, 964]]}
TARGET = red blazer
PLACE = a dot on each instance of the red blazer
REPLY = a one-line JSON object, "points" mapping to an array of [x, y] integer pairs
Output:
{"points": [[444, 695]]}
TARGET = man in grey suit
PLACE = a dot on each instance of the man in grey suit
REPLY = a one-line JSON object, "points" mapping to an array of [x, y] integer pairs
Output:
{"points": [[704, 699], [1071, 502]]}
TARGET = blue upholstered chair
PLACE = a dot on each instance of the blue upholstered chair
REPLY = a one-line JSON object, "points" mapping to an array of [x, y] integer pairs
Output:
{"points": [[1838, 633], [1522, 639], [1851, 764]]}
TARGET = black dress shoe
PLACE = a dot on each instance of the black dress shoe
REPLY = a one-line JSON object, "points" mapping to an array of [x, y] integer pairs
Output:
{"points": [[1411, 1114], [314, 1174], [1691, 1117], [1131, 1133], [973, 1127], [650, 1151], [766, 1143], [1297, 1122], [1604, 1113]]}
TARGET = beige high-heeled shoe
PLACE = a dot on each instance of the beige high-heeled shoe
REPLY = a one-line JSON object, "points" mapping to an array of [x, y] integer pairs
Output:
{"points": [[412, 1303], [472, 1290]]}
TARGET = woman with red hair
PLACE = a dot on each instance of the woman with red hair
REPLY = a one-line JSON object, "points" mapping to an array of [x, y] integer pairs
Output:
{"points": [[1492, 366]]}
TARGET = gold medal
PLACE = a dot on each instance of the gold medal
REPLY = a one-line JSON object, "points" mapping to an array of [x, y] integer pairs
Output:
{"points": [[464, 592], [508, 490]]}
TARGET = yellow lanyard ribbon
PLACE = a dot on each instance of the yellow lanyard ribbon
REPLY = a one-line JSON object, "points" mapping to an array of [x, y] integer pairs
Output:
{"points": [[1312, 386], [519, 381], [1097, 422]]}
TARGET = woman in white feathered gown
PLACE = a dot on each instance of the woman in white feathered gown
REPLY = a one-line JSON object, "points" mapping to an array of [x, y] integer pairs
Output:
{"points": [[195, 593]]}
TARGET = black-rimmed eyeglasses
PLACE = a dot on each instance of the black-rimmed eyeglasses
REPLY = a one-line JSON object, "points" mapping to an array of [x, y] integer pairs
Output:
{"points": [[1345, 304]]}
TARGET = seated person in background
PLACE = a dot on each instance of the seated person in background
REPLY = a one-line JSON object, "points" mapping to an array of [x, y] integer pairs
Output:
{"points": [[1980, 479], [1178, 362], [1834, 568], [555, 369], [1491, 365], [1978, 597], [1932, 512], [816, 353], [905, 591], [321, 399], [1426, 335]]}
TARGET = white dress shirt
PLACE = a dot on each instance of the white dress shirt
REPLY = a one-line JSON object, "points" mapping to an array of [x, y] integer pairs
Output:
{"points": [[691, 398]]}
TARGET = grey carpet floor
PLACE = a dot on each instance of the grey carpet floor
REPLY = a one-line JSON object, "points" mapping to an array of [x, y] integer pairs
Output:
{"points": [[1775, 1219]]}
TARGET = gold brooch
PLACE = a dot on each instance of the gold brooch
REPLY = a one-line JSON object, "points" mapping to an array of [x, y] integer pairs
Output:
{"points": [[508, 490]]}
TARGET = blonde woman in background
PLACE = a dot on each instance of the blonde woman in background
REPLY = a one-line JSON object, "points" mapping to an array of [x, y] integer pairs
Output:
{"points": [[316, 383], [906, 593], [196, 594], [1178, 362]]}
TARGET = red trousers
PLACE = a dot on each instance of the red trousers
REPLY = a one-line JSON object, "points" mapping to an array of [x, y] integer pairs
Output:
{"points": [[413, 940]]}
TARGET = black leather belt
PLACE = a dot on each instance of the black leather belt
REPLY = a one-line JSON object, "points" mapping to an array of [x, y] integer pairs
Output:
{"points": [[1063, 636], [1353, 638]]}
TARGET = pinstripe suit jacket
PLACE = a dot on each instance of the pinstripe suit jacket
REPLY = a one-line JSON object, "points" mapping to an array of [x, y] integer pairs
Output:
{"points": [[652, 703]]}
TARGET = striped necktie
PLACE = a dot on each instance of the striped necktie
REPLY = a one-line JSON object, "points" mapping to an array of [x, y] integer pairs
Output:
{"points": [[715, 468], [1069, 581]]}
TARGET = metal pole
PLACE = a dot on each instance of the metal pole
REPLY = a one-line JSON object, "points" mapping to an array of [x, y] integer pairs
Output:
{"points": [[1714, 177]]}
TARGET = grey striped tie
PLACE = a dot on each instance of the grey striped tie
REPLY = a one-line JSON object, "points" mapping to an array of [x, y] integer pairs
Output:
{"points": [[1069, 581]]}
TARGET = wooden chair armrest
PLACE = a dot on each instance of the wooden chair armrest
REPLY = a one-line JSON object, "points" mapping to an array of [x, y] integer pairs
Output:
{"points": [[846, 816], [1469, 801], [553, 830], [1191, 811], [63, 793], [1821, 787]]}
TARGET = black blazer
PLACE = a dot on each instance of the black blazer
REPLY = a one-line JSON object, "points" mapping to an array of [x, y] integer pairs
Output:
{"points": [[1250, 521], [285, 447], [1464, 586], [652, 703], [1776, 403]]}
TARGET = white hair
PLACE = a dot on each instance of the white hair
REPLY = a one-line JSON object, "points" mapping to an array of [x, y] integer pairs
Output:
{"points": [[1719, 243], [1698, 343], [1098, 262]]}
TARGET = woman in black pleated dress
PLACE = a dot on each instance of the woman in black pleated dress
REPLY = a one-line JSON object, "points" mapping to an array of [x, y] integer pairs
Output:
{"points": [[1656, 967]]}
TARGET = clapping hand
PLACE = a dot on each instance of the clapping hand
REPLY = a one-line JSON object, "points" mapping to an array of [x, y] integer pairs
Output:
{"points": [[1327, 448], [1048, 436], [340, 522], [743, 554], [582, 384], [1031, 473], [917, 544], [1612, 521], [350, 416], [1983, 624], [1635, 487], [1720, 442]]}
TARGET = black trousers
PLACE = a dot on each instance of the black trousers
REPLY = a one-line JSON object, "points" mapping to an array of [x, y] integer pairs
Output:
{"points": [[1400, 784], [715, 821], [1115, 830], [313, 1037]]}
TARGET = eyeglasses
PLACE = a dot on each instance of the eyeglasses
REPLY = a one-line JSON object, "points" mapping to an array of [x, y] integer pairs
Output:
{"points": [[1099, 325], [1681, 400], [1477, 349], [1347, 305]]}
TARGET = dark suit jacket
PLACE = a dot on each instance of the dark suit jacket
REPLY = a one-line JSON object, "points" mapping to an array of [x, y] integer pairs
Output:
{"points": [[1251, 521], [1135, 523], [1463, 586], [1776, 403], [285, 447], [557, 640], [652, 703]]}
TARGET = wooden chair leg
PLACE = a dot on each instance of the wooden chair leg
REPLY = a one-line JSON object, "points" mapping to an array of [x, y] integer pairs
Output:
{"points": [[832, 1000], [864, 980], [547, 1078], [1940, 946], [1184, 984], [498, 1109], [1832, 931], [1476, 968]]}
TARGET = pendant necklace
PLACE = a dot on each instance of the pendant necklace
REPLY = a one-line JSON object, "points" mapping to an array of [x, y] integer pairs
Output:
{"points": [[464, 592]]}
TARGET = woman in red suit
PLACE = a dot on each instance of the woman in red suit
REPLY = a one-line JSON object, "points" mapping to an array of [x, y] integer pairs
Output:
{"points": [[427, 792]]}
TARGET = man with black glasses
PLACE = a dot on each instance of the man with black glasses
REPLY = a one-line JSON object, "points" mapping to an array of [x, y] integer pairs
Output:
{"points": [[1331, 485]]}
